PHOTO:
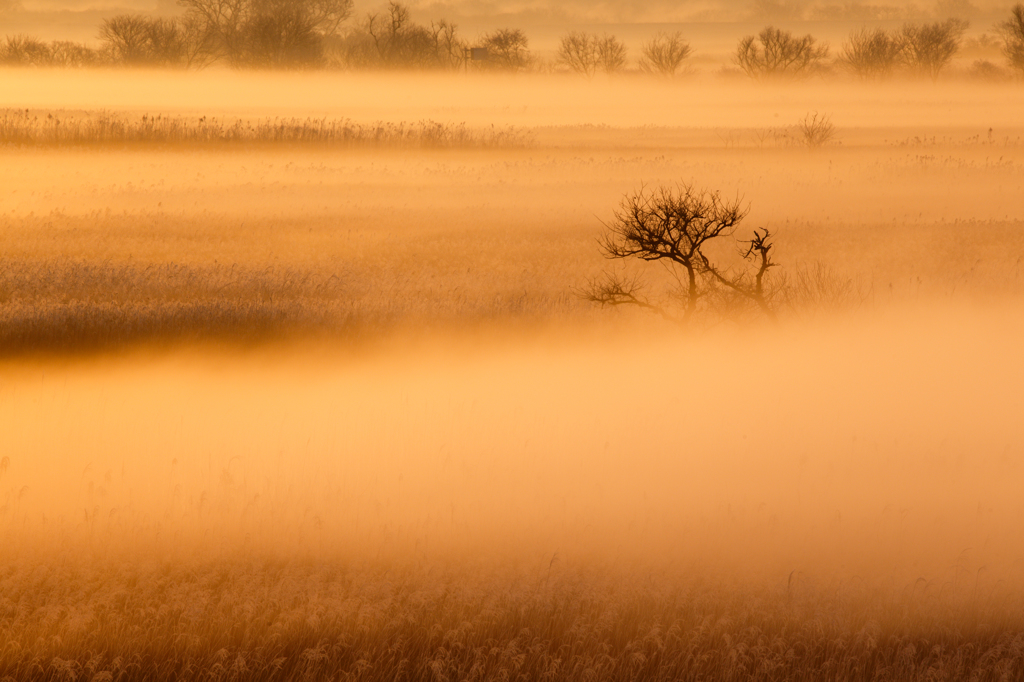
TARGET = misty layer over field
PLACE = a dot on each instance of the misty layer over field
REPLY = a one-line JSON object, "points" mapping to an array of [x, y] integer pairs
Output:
{"points": [[843, 497], [886, 448], [118, 242], [281, 406]]}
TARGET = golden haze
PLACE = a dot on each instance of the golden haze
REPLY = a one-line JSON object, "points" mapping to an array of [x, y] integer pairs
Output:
{"points": [[283, 410]]}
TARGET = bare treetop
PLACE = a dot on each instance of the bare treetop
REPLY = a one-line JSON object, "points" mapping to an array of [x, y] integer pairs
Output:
{"points": [[774, 52], [675, 226], [1012, 32], [664, 54], [268, 32]]}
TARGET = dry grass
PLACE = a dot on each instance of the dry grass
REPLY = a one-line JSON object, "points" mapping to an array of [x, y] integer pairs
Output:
{"points": [[835, 499], [276, 620], [459, 518], [74, 129], [70, 306]]}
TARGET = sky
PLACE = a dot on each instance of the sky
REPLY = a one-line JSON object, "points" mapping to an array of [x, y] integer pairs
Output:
{"points": [[615, 11]]}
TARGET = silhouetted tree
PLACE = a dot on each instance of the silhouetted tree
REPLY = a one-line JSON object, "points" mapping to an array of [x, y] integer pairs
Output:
{"points": [[774, 52], [22, 50], [68, 54], [268, 32], [871, 53], [398, 42], [507, 49], [611, 54], [126, 39], [586, 53], [136, 40], [676, 227], [578, 51], [928, 48], [197, 42], [1012, 32], [664, 54], [449, 48]]}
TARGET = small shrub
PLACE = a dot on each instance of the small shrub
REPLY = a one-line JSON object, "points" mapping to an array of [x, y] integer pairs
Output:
{"points": [[816, 130], [984, 70], [818, 288]]}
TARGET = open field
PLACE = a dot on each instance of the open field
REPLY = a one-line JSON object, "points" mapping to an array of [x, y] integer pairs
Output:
{"points": [[293, 408]]}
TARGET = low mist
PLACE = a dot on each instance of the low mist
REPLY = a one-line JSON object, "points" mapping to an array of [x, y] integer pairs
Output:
{"points": [[304, 376]]}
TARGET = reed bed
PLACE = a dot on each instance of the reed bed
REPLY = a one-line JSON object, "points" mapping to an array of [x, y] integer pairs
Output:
{"points": [[27, 128], [274, 620], [69, 306]]}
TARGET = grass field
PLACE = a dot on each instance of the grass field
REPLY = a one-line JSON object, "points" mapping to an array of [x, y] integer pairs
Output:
{"points": [[294, 408]]}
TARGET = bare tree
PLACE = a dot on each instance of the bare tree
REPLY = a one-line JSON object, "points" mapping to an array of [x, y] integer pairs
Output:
{"points": [[68, 54], [586, 53], [21, 50], [390, 32], [578, 51], [871, 53], [664, 54], [268, 32], [166, 46], [507, 49], [675, 227], [928, 48], [126, 39], [774, 52], [611, 54], [198, 43], [141, 41], [398, 42], [449, 48], [1012, 32]]}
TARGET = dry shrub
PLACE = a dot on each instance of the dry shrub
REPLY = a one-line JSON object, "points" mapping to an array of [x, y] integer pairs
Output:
{"points": [[816, 130], [814, 289]]}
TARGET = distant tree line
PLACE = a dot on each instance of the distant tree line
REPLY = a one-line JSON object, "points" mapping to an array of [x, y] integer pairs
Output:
{"points": [[390, 39], [922, 49], [275, 34], [309, 34]]}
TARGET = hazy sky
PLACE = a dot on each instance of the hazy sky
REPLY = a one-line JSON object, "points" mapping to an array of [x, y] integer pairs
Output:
{"points": [[624, 11]]}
